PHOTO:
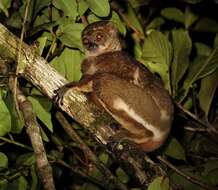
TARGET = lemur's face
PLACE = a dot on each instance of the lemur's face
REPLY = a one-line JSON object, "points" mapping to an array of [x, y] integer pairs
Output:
{"points": [[100, 37]]}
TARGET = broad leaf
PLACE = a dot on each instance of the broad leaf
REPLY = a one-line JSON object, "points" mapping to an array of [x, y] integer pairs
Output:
{"points": [[4, 5], [120, 25], [42, 43], [43, 21], [34, 8], [201, 68], [211, 171], [69, 7], [190, 17], [182, 45], [3, 161], [123, 177], [202, 49], [138, 3], [184, 183], [22, 183], [69, 64], [173, 14], [155, 23], [160, 183], [70, 35], [5, 118], [17, 123], [207, 91], [175, 150], [206, 25], [100, 8], [132, 18], [41, 113], [15, 20], [93, 18], [157, 52], [27, 159], [82, 7]]}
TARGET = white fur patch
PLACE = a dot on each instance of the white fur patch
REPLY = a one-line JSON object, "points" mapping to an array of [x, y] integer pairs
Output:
{"points": [[119, 104], [136, 76]]}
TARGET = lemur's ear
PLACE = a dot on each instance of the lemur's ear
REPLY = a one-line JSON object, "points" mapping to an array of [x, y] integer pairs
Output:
{"points": [[112, 27]]}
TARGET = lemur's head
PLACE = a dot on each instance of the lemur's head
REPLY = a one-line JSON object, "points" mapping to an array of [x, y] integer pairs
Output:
{"points": [[100, 37]]}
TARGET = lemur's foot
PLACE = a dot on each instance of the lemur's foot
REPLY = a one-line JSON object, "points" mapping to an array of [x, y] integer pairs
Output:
{"points": [[59, 95]]}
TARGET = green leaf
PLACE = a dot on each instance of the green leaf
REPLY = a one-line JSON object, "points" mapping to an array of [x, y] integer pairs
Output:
{"points": [[34, 178], [172, 13], [190, 17], [17, 123], [132, 18], [206, 25], [27, 159], [120, 25], [211, 171], [3, 161], [4, 5], [15, 20], [69, 64], [155, 23], [175, 150], [157, 51], [103, 157], [69, 7], [82, 7], [93, 18], [160, 183], [201, 69], [34, 8], [41, 113], [122, 175], [37, 6], [184, 183], [138, 3], [208, 87], [182, 45], [5, 118], [22, 183], [70, 35], [100, 8], [42, 43], [202, 49], [43, 20]]}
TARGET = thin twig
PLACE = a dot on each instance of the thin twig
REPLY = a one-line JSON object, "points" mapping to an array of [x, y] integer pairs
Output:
{"points": [[210, 128], [33, 131], [84, 20], [16, 143], [196, 129], [53, 44], [181, 173], [82, 174], [19, 57], [108, 175], [118, 9]]}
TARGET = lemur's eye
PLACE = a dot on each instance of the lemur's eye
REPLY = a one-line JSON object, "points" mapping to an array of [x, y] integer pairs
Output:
{"points": [[85, 41], [98, 37]]}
